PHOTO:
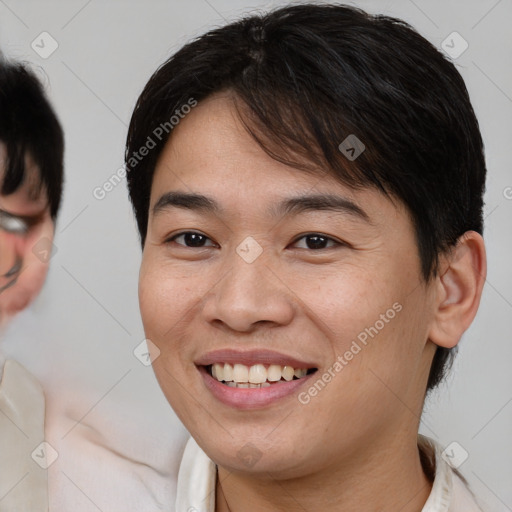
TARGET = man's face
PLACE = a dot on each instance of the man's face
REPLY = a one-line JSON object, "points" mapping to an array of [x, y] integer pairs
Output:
{"points": [[253, 285], [24, 222]]}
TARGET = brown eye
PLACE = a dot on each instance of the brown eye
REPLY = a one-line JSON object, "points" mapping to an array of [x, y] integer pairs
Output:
{"points": [[190, 239], [316, 241]]}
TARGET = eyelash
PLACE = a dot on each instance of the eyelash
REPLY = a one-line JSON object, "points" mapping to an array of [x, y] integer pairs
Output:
{"points": [[320, 235]]}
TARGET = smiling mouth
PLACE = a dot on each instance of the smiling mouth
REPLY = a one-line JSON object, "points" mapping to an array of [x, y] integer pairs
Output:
{"points": [[255, 376]]}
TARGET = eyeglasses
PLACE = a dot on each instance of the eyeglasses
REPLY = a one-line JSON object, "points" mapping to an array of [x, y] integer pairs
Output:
{"points": [[13, 224]]}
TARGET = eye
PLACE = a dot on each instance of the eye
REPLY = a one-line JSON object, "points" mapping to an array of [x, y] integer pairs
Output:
{"points": [[312, 241], [190, 239], [317, 241], [13, 224]]}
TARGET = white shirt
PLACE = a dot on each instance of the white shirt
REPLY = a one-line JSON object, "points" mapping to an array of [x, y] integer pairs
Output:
{"points": [[23, 459], [197, 482]]}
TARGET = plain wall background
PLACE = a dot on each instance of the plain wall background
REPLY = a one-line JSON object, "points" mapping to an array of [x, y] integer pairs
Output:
{"points": [[80, 334]]}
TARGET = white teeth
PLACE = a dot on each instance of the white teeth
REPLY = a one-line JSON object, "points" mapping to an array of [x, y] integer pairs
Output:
{"points": [[218, 371], [255, 376], [228, 372], [274, 373], [240, 373], [287, 372]]}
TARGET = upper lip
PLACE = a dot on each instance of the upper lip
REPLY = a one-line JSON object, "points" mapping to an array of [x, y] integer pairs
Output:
{"points": [[251, 357]]}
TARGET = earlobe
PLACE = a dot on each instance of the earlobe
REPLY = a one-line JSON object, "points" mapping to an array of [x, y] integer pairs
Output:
{"points": [[459, 288]]}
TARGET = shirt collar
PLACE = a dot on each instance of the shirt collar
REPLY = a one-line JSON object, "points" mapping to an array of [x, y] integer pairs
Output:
{"points": [[197, 479], [442, 488]]}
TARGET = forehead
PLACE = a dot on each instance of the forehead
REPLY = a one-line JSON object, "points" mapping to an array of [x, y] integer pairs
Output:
{"points": [[211, 153]]}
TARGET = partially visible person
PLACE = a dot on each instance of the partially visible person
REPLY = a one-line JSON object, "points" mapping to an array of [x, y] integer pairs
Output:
{"points": [[312, 255], [113, 471], [31, 180]]}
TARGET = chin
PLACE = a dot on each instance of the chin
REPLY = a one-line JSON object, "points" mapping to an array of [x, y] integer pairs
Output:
{"points": [[254, 455]]}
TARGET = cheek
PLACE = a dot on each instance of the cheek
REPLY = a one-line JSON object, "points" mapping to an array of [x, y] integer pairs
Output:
{"points": [[167, 308], [166, 302], [156, 306], [376, 320], [34, 271], [384, 354], [346, 302]]}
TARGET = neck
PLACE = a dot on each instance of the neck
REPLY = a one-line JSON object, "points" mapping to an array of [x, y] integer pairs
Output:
{"points": [[387, 479]]}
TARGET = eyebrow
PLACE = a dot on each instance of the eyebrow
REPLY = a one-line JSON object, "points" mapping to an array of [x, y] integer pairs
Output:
{"points": [[290, 206]]}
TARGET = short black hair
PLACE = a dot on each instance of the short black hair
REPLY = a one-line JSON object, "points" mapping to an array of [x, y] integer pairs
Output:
{"points": [[29, 126], [304, 78]]}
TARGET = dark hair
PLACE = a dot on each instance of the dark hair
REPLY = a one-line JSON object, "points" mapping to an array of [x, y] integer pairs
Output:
{"points": [[306, 77], [29, 126]]}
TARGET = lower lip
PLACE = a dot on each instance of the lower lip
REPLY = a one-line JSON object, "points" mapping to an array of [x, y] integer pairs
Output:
{"points": [[251, 398]]}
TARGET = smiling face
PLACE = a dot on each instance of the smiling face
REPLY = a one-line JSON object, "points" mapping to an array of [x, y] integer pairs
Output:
{"points": [[254, 282], [25, 221]]}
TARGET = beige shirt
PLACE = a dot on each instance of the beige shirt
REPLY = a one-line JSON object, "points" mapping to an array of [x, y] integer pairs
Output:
{"points": [[197, 481], [23, 478]]}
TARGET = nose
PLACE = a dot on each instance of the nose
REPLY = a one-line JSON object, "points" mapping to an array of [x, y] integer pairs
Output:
{"points": [[248, 295]]}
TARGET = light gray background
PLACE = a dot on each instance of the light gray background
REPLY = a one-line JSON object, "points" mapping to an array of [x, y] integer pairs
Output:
{"points": [[79, 337]]}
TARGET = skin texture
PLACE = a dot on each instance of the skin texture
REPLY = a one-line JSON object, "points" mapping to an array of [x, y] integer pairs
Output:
{"points": [[353, 446], [21, 286]]}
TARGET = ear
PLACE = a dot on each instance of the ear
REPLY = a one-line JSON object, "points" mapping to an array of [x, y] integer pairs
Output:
{"points": [[458, 289], [24, 259]]}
